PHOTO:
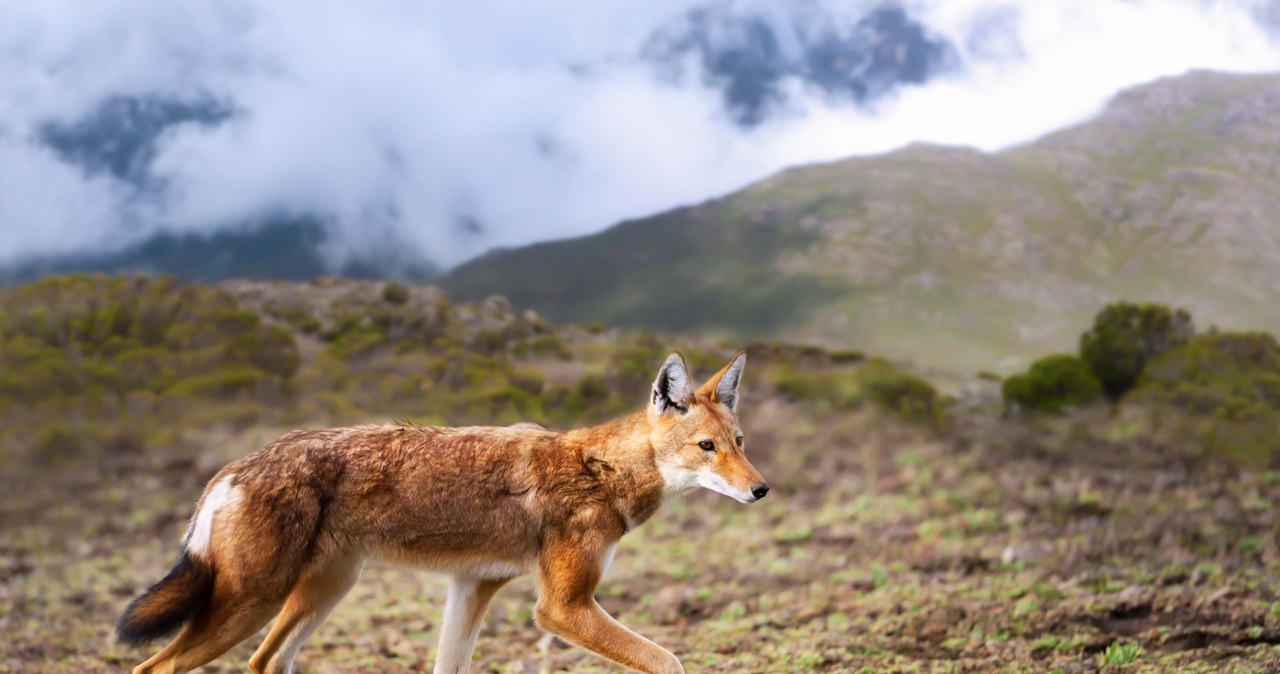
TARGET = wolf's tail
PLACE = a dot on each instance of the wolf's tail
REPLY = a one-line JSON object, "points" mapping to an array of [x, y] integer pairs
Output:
{"points": [[168, 604]]}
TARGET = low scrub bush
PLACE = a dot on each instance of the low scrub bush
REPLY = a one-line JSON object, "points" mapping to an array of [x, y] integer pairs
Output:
{"points": [[1224, 388], [877, 383], [1052, 384], [1125, 336]]}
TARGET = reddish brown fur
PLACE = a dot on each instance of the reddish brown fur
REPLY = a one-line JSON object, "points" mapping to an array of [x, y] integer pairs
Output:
{"points": [[485, 504]]}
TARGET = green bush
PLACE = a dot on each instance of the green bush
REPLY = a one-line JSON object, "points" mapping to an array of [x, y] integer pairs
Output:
{"points": [[492, 340], [1234, 376], [633, 366], [548, 345], [593, 389], [901, 393], [877, 382], [299, 318], [1052, 384], [1125, 336], [56, 442], [847, 356], [233, 381], [354, 336], [271, 349], [394, 293]]}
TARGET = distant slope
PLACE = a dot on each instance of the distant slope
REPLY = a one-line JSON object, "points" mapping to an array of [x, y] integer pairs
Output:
{"points": [[286, 249], [950, 256]]}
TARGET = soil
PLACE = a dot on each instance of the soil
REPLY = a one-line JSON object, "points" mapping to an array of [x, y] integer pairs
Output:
{"points": [[879, 549]]}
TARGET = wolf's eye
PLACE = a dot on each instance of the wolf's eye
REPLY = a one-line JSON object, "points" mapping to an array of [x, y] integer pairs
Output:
{"points": [[738, 440], [707, 445]]}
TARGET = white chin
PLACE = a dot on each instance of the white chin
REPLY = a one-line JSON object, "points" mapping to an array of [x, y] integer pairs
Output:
{"points": [[717, 484]]}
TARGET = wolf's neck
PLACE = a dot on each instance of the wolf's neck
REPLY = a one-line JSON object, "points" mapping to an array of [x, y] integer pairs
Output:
{"points": [[620, 455]]}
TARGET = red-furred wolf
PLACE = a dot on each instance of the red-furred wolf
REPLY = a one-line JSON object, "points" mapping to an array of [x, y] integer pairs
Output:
{"points": [[285, 531]]}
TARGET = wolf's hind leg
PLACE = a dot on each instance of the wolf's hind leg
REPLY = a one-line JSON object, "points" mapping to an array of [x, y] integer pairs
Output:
{"points": [[229, 618], [310, 602], [463, 612]]}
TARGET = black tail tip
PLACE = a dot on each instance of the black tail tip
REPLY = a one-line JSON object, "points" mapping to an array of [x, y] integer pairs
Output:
{"points": [[131, 631], [168, 604]]}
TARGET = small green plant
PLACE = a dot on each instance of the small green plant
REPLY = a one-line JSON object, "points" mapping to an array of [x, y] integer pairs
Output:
{"points": [[1046, 643], [1121, 653], [810, 659]]}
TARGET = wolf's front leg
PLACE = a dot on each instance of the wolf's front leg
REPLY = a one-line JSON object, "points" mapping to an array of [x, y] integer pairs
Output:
{"points": [[568, 574]]}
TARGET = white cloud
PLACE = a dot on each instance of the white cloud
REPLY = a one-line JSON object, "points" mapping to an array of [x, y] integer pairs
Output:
{"points": [[400, 120]]}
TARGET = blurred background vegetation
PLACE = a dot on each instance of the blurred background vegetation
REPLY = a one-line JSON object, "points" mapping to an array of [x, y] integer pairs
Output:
{"points": [[95, 366]]}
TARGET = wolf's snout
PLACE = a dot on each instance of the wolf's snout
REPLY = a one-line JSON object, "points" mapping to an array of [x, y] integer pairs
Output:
{"points": [[760, 490]]}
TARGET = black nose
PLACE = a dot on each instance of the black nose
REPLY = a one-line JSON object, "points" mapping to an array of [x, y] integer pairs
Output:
{"points": [[760, 490]]}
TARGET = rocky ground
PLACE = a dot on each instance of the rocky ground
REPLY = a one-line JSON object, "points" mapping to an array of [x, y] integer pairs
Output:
{"points": [[880, 549]]}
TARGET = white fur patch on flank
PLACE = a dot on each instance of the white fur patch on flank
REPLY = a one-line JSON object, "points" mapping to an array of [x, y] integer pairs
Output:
{"points": [[222, 494], [708, 479]]}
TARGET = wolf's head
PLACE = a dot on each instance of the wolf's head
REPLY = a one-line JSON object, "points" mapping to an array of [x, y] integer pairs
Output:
{"points": [[695, 433]]}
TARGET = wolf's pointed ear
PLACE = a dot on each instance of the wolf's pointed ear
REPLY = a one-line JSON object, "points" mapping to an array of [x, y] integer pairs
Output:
{"points": [[723, 386], [672, 390]]}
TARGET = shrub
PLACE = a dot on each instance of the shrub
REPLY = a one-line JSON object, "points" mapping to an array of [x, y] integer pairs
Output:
{"points": [[633, 366], [529, 380], [1052, 384], [299, 318], [271, 349], [1233, 376], [491, 340], [505, 403], [878, 382], [353, 336], [394, 293], [901, 393], [1241, 361], [847, 356], [1125, 336], [545, 345], [236, 380], [593, 388], [56, 442], [235, 322]]}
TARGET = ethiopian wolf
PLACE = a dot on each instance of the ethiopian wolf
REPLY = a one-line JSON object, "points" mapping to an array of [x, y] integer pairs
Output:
{"points": [[285, 531]]}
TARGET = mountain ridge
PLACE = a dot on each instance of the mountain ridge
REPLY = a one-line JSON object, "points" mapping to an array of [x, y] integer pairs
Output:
{"points": [[949, 255]]}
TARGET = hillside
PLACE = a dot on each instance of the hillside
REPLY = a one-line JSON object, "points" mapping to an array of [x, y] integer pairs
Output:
{"points": [[950, 256]]}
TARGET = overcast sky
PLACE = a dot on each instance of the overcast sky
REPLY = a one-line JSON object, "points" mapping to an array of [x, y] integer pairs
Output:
{"points": [[452, 127]]}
